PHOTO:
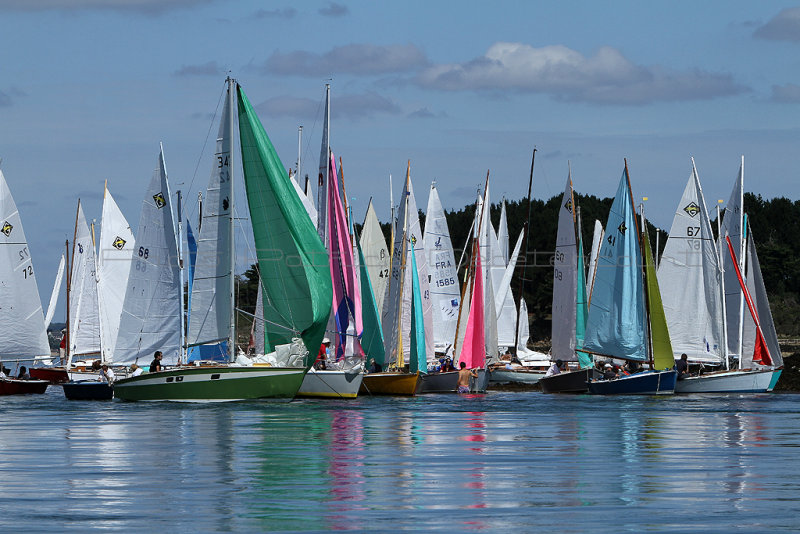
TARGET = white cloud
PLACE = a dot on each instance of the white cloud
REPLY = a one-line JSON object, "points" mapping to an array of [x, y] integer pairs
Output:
{"points": [[348, 59], [334, 10], [607, 77], [785, 26], [789, 93]]}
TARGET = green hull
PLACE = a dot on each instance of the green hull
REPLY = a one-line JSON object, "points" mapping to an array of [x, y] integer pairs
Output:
{"points": [[212, 384]]}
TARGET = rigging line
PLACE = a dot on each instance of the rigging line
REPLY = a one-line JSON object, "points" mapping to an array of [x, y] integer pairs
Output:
{"points": [[248, 314]]}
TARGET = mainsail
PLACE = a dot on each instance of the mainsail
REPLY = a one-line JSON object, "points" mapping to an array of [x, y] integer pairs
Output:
{"points": [[755, 285], [22, 331], [616, 323], [732, 222], [565, 279], [84, 316], [152, 312], [376, 256], [689, 267], [445, 287], [113, 266]]}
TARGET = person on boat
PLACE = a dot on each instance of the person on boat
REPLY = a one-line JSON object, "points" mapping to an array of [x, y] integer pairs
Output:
{"points": [[555, 369], [96, 366], [631, 367], [62, 347], [464, 375], [2, 373], [136, 370], [322, 355], [23, 373], [156, 365], [608, 372], [682, 366], [106, 374]]}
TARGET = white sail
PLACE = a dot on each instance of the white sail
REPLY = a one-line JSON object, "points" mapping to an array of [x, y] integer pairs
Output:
{"points": [[445, 288], [324, 162], [51, 307], [22, 331], [211, 290], [502, 233], [116, 248], [308, 203], [390, 318], [758, 292], [524, 329], [504, 300], [416, 243], [732, 227], [565, 281], [490, 322], [689, 268], [259, 341], [376, 255], [84, 315], [597, 238], [152, 310]]}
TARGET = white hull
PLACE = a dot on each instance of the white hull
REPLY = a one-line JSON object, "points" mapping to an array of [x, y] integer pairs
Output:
{"points": [[737, 381], [519, 376], [336, 384]]}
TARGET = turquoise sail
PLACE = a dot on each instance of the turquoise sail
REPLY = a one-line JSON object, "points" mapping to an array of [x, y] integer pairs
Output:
{"points": [[584, 359], [616, 323], [372, 336], [419, 362]]}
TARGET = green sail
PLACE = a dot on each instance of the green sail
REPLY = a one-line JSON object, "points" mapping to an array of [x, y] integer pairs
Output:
{"points": [[291, 257], [659, 334], [372, 336], [419, 362], [584, 359]]}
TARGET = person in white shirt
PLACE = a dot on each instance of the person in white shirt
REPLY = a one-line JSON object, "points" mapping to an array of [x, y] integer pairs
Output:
{"points": [[136, 370], [555, 369], [106, 374]]}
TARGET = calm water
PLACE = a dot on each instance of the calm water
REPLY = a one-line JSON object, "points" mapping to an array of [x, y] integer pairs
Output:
{"points": [[497, 462]]}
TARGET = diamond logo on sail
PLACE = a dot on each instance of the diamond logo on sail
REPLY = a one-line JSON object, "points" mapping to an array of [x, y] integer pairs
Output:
{"points": [[622, 227], [568, 205], [118, 243], [692, 209], [7, 227], [160, 201]]}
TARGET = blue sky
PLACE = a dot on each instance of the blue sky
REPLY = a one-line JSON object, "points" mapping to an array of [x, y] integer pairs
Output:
{"points": [[89, 88]]}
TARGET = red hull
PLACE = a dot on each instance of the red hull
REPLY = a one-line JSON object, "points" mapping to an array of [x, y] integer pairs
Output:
{"points": [[10, 386], [54, 375]]}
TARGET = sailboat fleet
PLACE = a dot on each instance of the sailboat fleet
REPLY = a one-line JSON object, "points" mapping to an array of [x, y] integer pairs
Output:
{"points": [[354, 314]]}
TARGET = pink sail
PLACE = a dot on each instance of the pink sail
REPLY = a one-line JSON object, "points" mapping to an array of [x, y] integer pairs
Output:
{"points": [[473, 351], [346, 294]]}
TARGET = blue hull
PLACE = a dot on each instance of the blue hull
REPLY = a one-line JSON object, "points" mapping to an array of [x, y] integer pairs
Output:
{"points": [[645, 383], [775, 376]]}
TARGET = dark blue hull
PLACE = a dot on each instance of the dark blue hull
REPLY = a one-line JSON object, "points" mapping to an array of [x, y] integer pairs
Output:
{"points": [[88, 390], [569, 382], [644, 383]]}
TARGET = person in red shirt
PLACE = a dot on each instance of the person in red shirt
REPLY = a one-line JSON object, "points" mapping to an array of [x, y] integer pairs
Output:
{"points": [[322, 355]]}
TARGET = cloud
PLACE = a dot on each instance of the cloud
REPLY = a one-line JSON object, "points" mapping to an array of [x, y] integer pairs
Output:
{"points": [[7, 97], [789, 93], [349, 106], [785, 26], [348, 59], [334, 10], [607, 77], [147, 7], [285, 13], [206, 69], [422, 113]]}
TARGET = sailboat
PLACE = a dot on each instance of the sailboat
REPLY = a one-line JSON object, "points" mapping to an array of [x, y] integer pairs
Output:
{"points": [[690, 267], [396, 377], [626, 317], [567, 306], [23, 335], [297, 295]]}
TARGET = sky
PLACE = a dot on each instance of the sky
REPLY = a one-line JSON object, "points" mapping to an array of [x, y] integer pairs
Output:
{"points": [[90, 88]]}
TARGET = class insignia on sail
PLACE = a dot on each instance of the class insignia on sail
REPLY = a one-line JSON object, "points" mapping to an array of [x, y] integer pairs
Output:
{"points": [[692, 209], [118, 243], [7, 228], [159, 200]]}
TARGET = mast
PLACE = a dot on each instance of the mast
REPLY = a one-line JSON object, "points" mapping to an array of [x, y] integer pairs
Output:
{"points": [[721, 272], [232, 334], [741, 260], [647, 326], [525, 256], [299, 152], [67, 350], [182, 352], [69, 275]]}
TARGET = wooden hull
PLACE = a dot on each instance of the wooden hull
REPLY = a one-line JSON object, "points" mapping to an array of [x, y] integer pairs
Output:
{"points": [[88, 390], [569, 382], [12, 386], [738, 381], [54, 375], [447, 382], [332, 384], [516, 376], [389, 384], [644, 383], [212, 384]]}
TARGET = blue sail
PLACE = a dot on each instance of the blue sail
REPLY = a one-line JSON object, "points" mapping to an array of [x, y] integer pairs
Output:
{"points": [[419, 361], [616, 323]]}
